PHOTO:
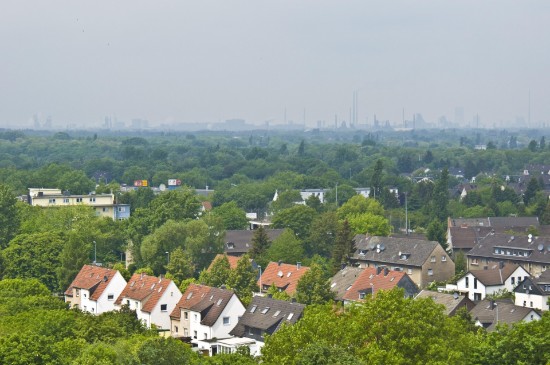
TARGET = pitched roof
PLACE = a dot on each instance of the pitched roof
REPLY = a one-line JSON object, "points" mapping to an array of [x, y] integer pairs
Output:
{"points": [[146, 289], [466, 237], [373, 279], [343, 280], [452, 302], [495, 222], [284, 276], [510, 246], [92, 278], [494, 275], [486, 312], [208, 301], [393, 249], [240, 241], [268, 314], [233, 260]]}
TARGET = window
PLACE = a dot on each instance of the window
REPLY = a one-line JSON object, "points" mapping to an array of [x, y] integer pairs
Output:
{"points": [[93, 308], [467, 282], [196, 317], [121, 209], [79, 200], [430, 272], [110, 297], [531, 304], [185, 332], [52, 201], [513, 280], [195, 334], [128, 302], [475, 262], [265, 310], [105, 209], [432, 259], [185, 315], [176, 329], [205, 335], [163, 307], [475, 283], [443, 258], [226, 321], [253, 309], [409, 271], [66, 200], [77, 292], [92, 200], [524, 303], [290, 315], [84, 295], [361, 295], [276, 313]]}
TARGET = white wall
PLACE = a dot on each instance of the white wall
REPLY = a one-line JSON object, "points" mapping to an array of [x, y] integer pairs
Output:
{"points": [[539, 301], [170, 297], [115, 286]]}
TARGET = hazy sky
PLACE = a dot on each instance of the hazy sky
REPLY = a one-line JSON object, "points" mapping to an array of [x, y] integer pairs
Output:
{"points": [[206, 61]]}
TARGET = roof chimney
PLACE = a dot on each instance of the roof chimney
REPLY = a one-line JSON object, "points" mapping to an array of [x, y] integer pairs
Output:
{"points": [[269, 295], [298, 265], [280, 262], [501, 265], [492, 304], [343, 266], [293, 300]]}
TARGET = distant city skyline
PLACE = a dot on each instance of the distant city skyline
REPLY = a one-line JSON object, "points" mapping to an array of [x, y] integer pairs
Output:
{"points": [[314, 61]]}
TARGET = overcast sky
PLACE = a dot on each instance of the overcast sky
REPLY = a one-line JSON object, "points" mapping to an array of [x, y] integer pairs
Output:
{"points": [[207, 61]]}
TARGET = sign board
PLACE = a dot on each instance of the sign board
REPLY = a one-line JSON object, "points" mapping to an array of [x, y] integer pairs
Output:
{"points": [[174, 182], [141, 183]]}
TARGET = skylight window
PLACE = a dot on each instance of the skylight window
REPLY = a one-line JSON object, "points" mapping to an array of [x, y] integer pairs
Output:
{"points": [[153, 286], [290, 315], [189, 295], [289, 273], [265, 310], [280, 274], [333, 285], [219, 302], [276, 313], [253, 309]]}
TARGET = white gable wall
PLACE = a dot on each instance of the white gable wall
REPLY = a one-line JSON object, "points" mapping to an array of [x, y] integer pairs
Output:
{"points": [[115, 286], [170, 297]]}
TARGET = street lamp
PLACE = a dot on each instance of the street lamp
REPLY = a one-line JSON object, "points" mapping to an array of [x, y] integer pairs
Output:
{"points": [[95, 252], [372, 288], [167, 257], [259, 267]]}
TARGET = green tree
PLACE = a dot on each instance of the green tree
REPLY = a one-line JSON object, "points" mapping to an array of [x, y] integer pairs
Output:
{"points": [[460, 262], [276, 293], [243, 279], [322, 234], [166, 238], [9, 217], [178, 205], [298, 218], [371, 224], [314, 287], [286, 248], [532, 189], [218, 273], [74, 255], [358, 204], [260, 244], [344, 245], [440, 200], [232, 216], [436, 232], [180, 265], [376, 179], [286, 199]]}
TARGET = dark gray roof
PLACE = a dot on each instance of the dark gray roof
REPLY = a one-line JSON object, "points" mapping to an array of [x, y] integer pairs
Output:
{"points": [[212, 305], [452, 302], [240, 241], [343, 280], [513, 244], [508, 313], [495, 222], [256, 316], [466, 237], [416, 251]]}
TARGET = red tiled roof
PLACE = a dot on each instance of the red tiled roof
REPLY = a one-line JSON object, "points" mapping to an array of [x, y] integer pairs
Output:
{"points": [[233, 260], [193, 295], [146, 289], [285, 276], [379, 282], [93, 278], [207, 205]]}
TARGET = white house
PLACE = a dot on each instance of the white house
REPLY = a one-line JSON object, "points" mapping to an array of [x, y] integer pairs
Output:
{"points": [[480, 283], [490, 313], [534, 292], [95, 289], [152, 298], [205, 313]]}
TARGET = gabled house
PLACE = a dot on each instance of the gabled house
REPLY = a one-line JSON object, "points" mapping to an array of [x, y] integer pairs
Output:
{"points": [[489, 313], [464, 238], [423, 261], [534, 292], [499, 277], [239, 242], [371, 280], [451, 302], [233, 260], [533, 253], [263, 316], [95, 289], [205, 313], [284, 276], [342, 281], [152, 298]]}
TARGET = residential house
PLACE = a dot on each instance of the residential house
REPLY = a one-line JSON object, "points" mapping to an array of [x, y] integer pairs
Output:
{"points": [[451, 302], [371, 280], [233, 260], [152, 298], [496, 279], [285, 277], [423, 261], [263, 316], [534, 292], [103, 204], [489, 313], [95, 289], [533, 253], [495, 222], [239, 242], [343, 280], [205, 314], [464, 238]]}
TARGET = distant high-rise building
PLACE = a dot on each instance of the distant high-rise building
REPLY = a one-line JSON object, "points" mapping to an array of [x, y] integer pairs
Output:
{"points": [[459, 116]]}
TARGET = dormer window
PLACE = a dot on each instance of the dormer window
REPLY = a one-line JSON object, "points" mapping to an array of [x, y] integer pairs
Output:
{"points": [[280, 274], [362, 252], [230, 245]]}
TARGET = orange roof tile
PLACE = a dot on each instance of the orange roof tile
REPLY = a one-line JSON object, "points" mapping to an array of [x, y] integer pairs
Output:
{"points": [[369, 280], [193, 295], [233, 260], [285, 276], [93, 278], [146, 289]]}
